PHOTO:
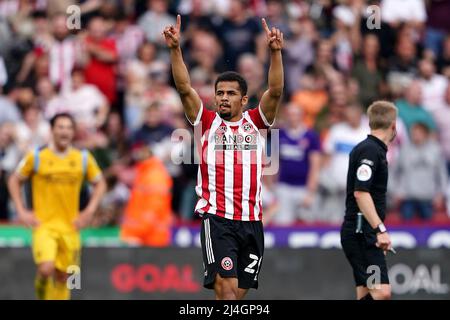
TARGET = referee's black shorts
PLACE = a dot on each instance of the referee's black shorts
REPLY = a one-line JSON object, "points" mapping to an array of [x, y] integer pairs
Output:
{"points": [[362, 253], [233, 249]]}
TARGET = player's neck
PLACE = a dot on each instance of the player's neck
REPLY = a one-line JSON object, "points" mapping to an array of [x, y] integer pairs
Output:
{"points": [[382, 135], [59, 150], [236, 118]]}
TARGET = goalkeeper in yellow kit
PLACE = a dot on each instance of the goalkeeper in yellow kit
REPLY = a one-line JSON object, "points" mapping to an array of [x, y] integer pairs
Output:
{"points": [[57, 172]]}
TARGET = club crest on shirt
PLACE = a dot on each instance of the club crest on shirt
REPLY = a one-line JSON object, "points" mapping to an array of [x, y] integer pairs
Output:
{"points": [[247, 127]]}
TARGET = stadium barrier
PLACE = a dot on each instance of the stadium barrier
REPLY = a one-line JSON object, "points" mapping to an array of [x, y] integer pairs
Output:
{"points": [[176, 273], [299, 237]]}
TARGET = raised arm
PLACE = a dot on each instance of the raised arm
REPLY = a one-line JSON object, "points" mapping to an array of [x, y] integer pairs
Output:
{"points": [[189, 97], [272, 97]]}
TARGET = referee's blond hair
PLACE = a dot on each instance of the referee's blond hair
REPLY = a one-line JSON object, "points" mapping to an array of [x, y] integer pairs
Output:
{"points": [[381, 114]]}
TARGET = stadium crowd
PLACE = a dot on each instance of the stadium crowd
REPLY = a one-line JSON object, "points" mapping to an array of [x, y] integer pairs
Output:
{"points": [[113, 75]]}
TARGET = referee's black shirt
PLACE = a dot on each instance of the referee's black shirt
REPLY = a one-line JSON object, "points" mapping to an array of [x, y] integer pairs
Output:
{"points": [[367, 171]]}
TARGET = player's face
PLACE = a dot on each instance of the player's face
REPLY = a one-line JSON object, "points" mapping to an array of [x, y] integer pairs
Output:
{"points": [[229, 100], [63, 133]]}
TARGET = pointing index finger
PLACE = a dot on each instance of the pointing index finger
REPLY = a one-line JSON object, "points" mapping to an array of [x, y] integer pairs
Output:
{"points": [[178, 25], [265, 26]]}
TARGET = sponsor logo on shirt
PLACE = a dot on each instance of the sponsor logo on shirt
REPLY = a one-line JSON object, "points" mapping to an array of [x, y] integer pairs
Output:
{"points": [[364, 172]]}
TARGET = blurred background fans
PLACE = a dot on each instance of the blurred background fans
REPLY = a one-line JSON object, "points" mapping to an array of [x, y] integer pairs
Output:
{"points": [[113, 75]]}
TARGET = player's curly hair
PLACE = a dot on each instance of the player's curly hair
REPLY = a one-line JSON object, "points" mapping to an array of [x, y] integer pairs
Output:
{"points": [[231, 76]]}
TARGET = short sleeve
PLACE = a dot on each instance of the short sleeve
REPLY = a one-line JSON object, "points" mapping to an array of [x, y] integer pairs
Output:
{"points": [[25, 167], [93, 172], [366, 165], [259, 119], [205, 117]]}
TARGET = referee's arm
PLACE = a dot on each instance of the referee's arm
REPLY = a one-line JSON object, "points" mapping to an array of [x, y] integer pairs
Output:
{"points": [[367, 207]]}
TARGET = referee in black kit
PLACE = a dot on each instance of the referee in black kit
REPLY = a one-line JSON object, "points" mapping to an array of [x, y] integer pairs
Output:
{"points": [[364, 237]]}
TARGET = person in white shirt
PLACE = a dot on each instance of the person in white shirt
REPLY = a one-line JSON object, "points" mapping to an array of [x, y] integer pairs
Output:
{"points": [[336, 147], [84, 101], [433, 86]]}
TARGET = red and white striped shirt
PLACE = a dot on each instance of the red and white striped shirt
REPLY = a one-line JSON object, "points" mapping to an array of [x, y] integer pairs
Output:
{"points": [[230, 170]]}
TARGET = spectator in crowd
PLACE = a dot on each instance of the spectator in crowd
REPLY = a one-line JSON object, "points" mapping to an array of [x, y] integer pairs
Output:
{"points": [[188, 178], [205, 53], [311, 98], [9, 111], [433, 86], [323, 62], [160, 91], [35, 66], [396, 12], [334, 112], [197, 15], [21, 18], [299, 170], [47, 95], [276, 16], [9, 157], [422, 176], [269, 199], [118, 139], [443, 62], [410, 109], [62, 53], [367, 71], [100, 58], [402, 67], [84, 101], [108, 145], [346, 38], [202, 83], [299, 52], [437, 25], [154, 130], [112, 204], [24, 97], [253, 72], [442, 116], [3, 72], [342, 138], [128, 38], [240, 34], [33, 131], [148, 217], [137, 83], [154, 20], [156, 134]]}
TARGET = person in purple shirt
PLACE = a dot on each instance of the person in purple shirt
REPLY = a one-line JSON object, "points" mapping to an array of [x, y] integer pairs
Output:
{"points": [[299, 169]]}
